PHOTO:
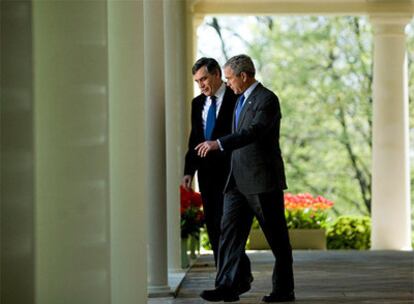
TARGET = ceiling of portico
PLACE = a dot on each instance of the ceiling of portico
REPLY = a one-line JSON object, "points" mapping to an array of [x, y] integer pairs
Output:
{"points": [[341, 7]]}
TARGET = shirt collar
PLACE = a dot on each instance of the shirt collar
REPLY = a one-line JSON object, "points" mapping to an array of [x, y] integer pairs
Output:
{"points": [[220, 92], [249, 90]]}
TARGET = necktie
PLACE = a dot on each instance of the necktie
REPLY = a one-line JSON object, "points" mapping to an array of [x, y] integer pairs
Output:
{"points": [[211, 118], [238, 110]]}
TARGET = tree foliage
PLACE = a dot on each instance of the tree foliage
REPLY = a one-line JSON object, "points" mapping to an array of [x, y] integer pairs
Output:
{"points": [[321, 68]]}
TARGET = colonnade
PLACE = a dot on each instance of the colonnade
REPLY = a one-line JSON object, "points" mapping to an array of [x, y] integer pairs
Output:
{"points": [[94, 120]]}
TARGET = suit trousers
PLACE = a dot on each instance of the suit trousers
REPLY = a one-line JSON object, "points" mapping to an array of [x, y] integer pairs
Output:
{"points": [[213, 211], [238, 213]]}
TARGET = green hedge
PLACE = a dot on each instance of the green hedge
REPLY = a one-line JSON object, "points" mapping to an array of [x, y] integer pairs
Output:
{"points": [[350, 232], [204, 241]]}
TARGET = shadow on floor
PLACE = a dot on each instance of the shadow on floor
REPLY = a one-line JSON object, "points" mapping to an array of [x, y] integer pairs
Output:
{"points": [[321, 277]]}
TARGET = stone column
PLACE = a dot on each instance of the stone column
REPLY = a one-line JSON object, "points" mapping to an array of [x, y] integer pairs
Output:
{"points": [[17, 152], [155, 145], [193, 21], [128, 199], [72, 210], [175, 82], [391, 226], [73, 219]]}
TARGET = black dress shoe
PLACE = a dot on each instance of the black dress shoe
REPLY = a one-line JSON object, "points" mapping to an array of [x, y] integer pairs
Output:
{"points": [[245, 286], [279, 297], [220, 294]]}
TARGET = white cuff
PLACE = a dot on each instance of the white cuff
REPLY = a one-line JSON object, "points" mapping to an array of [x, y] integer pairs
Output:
{"points": [[219, 144]]}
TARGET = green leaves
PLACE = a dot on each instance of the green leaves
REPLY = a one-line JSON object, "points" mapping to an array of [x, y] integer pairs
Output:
{"points": [[306, 219], [320, 68], [350, 232]]}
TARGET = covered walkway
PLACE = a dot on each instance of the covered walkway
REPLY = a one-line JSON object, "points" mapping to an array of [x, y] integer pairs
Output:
{"points": [[94, 115], [333, 277]]}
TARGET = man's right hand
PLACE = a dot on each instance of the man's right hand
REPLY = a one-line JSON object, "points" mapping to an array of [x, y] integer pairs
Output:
{"points": [[186, 182]]}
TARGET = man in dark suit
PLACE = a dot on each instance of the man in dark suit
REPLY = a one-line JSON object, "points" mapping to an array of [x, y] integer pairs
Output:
{"points": [[217, 100], [254, 187]]}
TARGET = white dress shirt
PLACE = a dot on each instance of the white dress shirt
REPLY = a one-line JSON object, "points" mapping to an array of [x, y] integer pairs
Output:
{"points": [[249, 91]]}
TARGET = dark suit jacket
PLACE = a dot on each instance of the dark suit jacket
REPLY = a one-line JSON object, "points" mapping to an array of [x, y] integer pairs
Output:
{"points": [[256, 162], [213, 169]]}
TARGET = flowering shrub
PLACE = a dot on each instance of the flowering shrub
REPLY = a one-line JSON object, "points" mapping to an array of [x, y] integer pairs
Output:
{"points": [[304, 211], [192, 216], [350, 232]]}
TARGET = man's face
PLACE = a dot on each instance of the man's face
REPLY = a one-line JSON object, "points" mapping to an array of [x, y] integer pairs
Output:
{"points": [[208, 83], [236, 83]]}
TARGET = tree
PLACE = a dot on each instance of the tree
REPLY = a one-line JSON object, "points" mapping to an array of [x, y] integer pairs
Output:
{"points": [[321, 68]]}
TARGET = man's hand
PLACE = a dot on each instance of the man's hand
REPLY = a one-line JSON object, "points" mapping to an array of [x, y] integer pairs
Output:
{"points": [[205, 147], [186, 182]]}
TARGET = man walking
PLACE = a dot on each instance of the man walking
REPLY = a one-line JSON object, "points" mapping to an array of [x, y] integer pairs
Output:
{"points": [[254, 187], [211, 115]]}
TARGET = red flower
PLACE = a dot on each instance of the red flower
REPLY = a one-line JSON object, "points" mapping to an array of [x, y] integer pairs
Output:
{"points": [[305, 211], [185, 198], [196, 200], [192, 216], [306, 201]]}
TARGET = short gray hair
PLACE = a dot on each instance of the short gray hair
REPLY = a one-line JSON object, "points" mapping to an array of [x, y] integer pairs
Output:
{"points": [[241, 63]]}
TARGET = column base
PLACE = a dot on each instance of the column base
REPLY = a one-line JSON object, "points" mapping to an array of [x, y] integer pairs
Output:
{"points": [[175, 278], [402, 248], [159, 291]]}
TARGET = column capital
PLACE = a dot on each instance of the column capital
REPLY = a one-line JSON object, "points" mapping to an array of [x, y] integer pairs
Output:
{"points": [[390, 24], [191, 4], [197, 20]]}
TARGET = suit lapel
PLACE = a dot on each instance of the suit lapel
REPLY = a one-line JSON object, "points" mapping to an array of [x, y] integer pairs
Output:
{"points": [[201, 99], [249, 101], [226, 109], [223, 108]]}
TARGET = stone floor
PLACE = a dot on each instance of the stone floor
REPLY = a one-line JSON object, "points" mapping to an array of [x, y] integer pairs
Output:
{"points": [[321, 277]]}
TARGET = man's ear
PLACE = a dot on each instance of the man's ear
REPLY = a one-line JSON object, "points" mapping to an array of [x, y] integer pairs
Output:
{"points": [[243, 76]]}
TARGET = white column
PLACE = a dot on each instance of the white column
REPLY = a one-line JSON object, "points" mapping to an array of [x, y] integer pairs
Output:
{"points": [[175, 122], [155, 145], [72, 210], [17, 192], [73, 222], [128, 198], [193, 21], [391, 227]]}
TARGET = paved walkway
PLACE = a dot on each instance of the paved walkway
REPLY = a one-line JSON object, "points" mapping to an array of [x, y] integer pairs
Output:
{"points": [[321, 277]]}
